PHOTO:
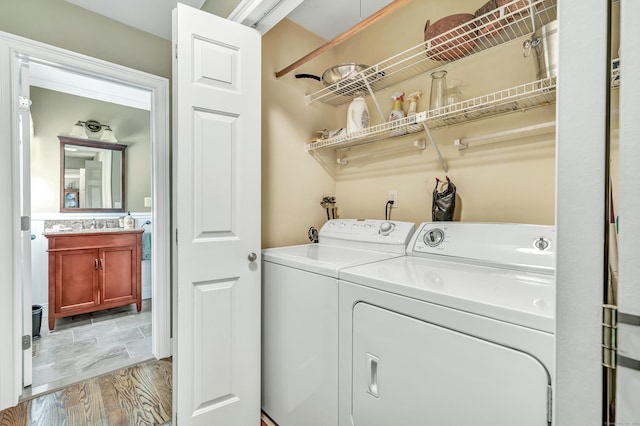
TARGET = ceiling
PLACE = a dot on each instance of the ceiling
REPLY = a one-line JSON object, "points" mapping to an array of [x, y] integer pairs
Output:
{"points": [[326, 18]]}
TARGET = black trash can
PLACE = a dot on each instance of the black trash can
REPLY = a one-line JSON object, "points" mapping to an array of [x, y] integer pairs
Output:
{"points": [[36, 321]]}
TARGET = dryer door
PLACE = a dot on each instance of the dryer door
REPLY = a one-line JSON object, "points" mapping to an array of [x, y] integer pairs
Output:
{"points": [[410, 372]]}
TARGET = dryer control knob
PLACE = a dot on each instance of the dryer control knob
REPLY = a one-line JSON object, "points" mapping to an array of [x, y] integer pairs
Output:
{"points": [[541, 244], [433, 237], [386, 228]]}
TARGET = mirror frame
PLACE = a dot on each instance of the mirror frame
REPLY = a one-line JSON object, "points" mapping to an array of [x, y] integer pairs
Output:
{"points": [[66, 140]]}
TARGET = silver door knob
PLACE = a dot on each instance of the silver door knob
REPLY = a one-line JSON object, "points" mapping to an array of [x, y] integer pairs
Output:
{"points": [[252, 257]]}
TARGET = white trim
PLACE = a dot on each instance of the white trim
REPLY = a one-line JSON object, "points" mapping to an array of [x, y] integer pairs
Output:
{"points": [[580, 211], [10, 300], [61, 80], [10, 320], [262, 14]]}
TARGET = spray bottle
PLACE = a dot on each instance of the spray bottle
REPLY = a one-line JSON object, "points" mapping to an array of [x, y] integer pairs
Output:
{"points": [[397, 113], [413, 107]]}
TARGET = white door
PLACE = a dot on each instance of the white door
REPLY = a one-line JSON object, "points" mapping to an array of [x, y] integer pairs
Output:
{"points": [[216, 173], [628, 370], [93, 184], [24, 135]]}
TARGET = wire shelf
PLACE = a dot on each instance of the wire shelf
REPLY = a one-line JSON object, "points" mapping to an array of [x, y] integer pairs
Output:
{"points": [[501, 25], [519, 98]]}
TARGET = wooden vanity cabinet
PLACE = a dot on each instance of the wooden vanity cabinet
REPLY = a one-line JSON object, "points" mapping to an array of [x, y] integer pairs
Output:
{"points": [[93, 271]]}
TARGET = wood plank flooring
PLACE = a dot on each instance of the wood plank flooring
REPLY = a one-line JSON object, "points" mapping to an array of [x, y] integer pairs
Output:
{"points": [[139, 395]]}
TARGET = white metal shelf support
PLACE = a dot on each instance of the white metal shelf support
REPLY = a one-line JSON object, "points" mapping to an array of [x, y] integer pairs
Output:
{"points": [[435, 147]]}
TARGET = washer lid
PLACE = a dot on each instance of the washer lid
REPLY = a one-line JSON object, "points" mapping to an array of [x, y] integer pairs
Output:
{"points": [[322, 258], [518, 297]]}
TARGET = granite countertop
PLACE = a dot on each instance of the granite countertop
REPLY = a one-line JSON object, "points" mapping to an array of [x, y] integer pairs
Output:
{"points": [[69, 231]]}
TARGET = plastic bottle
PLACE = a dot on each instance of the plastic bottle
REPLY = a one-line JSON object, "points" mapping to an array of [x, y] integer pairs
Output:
{"points": [[397, 113], [357, 115], [413, 107], [129, 223]]}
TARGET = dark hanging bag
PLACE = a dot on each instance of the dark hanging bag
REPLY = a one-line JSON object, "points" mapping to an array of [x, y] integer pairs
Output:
{"points": [[444, 203]]}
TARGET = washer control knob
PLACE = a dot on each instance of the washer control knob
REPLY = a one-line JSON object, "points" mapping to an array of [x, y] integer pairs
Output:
{"points": [[541, 244], [386, 228], [433, 237]]}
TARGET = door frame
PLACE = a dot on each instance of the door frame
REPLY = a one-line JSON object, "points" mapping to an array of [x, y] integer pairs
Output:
{"points": [[580, 211], [12, 46]]}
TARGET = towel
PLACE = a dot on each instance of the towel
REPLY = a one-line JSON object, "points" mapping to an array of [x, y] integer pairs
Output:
{"points": [[146, 245]]}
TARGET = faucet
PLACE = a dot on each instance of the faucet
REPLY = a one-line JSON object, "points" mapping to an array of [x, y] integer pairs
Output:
{"points": [[93, 224]]}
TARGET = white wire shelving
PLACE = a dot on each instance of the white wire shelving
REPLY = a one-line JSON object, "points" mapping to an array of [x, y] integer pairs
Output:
{"points": [[514, 20], [519, 98]]}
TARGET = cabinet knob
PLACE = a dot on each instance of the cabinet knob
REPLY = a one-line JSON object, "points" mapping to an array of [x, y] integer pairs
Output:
{"points": [[252, 257], [95, 263]]}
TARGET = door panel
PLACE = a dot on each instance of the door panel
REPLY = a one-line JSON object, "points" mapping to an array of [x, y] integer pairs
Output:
{"points": [[213, 164], [410, 372], [217, 199]]}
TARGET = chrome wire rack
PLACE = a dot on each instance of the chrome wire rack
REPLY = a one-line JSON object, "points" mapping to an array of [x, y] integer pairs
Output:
{"points": [[516, 19], [519, 98]]}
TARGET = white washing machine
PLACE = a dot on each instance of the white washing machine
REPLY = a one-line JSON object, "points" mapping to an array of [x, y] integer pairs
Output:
{"points": [[300, 315], [458, 332]]}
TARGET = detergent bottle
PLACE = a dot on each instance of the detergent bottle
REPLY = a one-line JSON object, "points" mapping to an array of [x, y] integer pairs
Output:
{"points": [[357, 114], [397, 113], [413, 107]]}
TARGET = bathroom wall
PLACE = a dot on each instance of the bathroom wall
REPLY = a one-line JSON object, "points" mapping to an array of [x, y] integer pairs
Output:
{"points": [[54, 114], [62, 24]]}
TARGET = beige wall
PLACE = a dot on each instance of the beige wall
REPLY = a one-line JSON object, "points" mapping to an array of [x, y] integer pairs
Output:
{"points": [[62, 24], [54, 114], [293, 182], [509, 181]]}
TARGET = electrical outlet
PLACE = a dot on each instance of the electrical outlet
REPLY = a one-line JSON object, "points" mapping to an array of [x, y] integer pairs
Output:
{"points": [[393, 196]]}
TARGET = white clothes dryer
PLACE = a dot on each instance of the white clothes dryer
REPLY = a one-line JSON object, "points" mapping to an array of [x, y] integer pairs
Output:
{"points": [[300, 315], [458, 332]]}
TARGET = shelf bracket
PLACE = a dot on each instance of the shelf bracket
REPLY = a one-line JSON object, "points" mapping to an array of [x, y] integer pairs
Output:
{"points": [[373, 96], [435, 147]]}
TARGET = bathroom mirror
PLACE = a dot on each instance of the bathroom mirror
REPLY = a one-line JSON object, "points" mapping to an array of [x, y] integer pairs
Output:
{"points": [[91, 176]]}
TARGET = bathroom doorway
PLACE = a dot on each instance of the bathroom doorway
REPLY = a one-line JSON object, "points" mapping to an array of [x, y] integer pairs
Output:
{"points": [[158, 309], [87, 344]]}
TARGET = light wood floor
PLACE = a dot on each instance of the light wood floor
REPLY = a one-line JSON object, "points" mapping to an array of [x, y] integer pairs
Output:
{"points": [[136, 395]]}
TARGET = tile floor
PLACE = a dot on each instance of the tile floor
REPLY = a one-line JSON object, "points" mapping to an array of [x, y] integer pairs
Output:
{"points": [[88, 345]]}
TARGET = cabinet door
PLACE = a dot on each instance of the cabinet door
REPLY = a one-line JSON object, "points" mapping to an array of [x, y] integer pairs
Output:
{"points": [[118, 276], [76, 280]]}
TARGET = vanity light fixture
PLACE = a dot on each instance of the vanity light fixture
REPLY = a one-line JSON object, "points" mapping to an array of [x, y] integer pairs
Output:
{"points": [[80, 129], [107, 135]]}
